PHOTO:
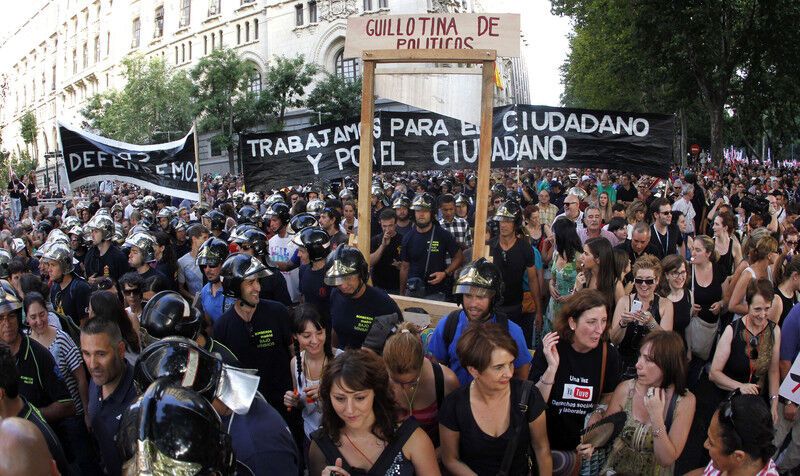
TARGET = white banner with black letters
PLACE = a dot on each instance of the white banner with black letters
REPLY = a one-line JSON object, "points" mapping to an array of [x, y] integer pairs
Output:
{"points": [[167, 168]]}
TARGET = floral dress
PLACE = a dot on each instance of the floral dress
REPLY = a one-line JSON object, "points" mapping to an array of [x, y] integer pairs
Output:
{"points": [[565, 282]]}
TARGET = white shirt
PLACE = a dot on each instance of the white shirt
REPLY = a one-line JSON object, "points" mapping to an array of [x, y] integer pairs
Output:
{"points": [[281, 250], [128, 210], [686, 207]]}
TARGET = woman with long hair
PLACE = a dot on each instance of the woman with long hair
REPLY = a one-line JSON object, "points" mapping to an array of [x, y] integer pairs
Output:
{"points": [[359, 432], [636, 213], [604, 204], [167, 263], [726, 245], [673, 286], [787, 286], [598, 270], [564, 268], [312, 353], [419, 385], [478, 421], [106, 305], [639, 313], [658, 407], [539, 233], [761, 258]]}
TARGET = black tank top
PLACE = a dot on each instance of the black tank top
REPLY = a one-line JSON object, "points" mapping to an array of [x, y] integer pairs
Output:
{"points": [[681, 313], [706, 296], [725, 262], [634, 333], [535, 242], [788, 304]]}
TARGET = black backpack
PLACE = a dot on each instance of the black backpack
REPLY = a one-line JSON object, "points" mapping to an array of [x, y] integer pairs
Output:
{"points": [[451, 324]]}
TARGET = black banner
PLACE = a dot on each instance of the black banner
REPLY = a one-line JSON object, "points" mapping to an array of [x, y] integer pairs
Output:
{"points": [[167, 168], [523, 135]]}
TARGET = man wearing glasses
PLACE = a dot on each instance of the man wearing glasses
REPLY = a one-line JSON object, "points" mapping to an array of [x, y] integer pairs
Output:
{"points": [[572, 211], [665, 237]]}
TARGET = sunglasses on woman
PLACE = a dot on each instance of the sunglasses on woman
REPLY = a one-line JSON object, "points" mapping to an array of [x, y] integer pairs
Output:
{"points": [[647, 281]]}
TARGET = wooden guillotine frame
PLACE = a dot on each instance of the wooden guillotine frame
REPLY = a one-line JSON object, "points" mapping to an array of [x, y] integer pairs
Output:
{"points": [[485, 58]]}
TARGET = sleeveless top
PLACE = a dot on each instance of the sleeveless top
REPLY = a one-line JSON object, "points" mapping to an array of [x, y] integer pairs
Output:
{"points": [[535, 242], [634, 450], [725, 261], [706, 296], [739, 366], [391, 462], [428, 417], [788, 304], [681, 314], [634, 333]]}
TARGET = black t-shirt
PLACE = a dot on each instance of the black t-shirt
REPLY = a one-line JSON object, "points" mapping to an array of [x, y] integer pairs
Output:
{"points": [[169, 271], [384, 275], [313, 287], [273, 288], [53, 444], [339, 238], [666, 244], [481, 452], [513, 264], [414, 250], [262, 344], [574, 390], [152, 272], [627, 195], [112, 264], [225, 353], [72, 301], [352, 318], [38, 375]]}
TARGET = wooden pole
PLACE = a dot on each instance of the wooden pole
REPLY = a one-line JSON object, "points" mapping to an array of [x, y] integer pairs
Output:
{"points": [[484, 160], [365, 161], [197, 163]]}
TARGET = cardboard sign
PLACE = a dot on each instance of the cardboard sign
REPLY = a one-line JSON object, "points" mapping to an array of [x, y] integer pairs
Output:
{"points": [[790, 387], [456, 31]]}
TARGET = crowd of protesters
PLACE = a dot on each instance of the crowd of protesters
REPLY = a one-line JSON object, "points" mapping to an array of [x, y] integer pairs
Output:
{"points": [[663, 309]]}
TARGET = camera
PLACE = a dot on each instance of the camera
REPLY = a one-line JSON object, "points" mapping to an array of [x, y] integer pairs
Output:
{"points": [[756, 204]]}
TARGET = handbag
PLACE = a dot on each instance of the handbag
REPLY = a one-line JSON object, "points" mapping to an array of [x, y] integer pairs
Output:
{"points": [[699, 333], [508, 456], [416, 287]]}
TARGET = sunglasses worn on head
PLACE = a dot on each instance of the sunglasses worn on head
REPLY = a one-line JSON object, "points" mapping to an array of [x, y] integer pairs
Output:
{"points": [[753, 348], [648, 281]]}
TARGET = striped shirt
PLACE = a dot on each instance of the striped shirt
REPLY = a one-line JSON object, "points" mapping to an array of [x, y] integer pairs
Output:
{"points": [[68, 359]]}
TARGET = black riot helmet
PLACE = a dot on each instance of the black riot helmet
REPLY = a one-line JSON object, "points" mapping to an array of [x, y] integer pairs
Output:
{"points": [[212, 253], [343, 262], [509, 211], [182, 360], [216, 220], [256, 240], [279, 210], [240, 267], [317, 243], [166, 314], [248, 215], [300, 222], [174, 430], [499, 190], [481, 278]]}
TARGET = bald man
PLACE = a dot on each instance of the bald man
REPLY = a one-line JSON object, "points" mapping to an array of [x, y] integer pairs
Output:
{"points": [[23, 451]]}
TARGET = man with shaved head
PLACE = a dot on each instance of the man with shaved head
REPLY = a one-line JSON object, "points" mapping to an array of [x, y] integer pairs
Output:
{"points": [[23, 450]]}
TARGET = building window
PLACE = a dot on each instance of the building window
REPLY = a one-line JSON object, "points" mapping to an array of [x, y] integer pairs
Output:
{"points": [[176, 54], [312, 12], [183, 53], [97, 48], [53, 84], [190, 51], [137, 31], [349, 69], [74, 61], [108, 43], [367, 5], [255, 81], [214, 7], [205, 44], [244, 2], [85, 55], [238, 34], [220, 38], [247, 31], [298, 15], [213, 41], [159, 23], [186, 12], [255, 29], [383, 3]]}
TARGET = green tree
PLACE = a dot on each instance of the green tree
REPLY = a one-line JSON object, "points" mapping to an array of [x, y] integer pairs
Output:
{"points": [[23, 163], [155, 105], [29, 130], [286, 81], [335, 99], [224, 99]]}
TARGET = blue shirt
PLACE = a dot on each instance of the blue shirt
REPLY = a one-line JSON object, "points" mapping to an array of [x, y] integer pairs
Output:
{"points": [[274, 451], [790, 335], [214, 306], [106, 416], [437, 348]]}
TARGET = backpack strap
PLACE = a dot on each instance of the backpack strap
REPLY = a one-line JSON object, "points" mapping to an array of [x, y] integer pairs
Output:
{"points": [[602, 371], [329, 449], [450, 326], [438, 383], [511, 449]]}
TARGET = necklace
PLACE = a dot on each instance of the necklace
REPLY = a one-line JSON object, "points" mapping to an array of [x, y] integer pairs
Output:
{"points": [[414, 393], [371, 463], [308, 368]]}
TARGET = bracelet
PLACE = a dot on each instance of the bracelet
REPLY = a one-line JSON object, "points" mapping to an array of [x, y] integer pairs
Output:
{"points": [[599, 410], [773, 397], [651, 325], [657, 432], [542, 380]]}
